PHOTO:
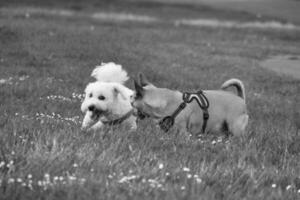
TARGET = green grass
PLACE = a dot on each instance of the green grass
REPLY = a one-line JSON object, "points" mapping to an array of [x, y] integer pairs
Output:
{"points": [[55, 56]]}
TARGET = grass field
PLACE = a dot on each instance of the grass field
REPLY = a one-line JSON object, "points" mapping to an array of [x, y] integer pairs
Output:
{"points": [[45, 63]]}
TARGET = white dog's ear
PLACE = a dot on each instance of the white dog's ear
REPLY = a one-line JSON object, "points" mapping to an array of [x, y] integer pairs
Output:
{"points": [[119, 90], [143, 80]]}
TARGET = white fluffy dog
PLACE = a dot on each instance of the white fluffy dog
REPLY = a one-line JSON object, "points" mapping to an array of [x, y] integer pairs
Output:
{"points": [[107, 100]]}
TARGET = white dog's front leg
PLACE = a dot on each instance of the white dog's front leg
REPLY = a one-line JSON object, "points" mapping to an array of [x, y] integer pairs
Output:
{"points": [[87, 121], [133, 125], [97, 126]]}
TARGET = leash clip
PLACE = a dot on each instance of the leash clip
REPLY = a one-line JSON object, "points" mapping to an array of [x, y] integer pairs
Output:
{"points": [[205, 116], [166, 123]]}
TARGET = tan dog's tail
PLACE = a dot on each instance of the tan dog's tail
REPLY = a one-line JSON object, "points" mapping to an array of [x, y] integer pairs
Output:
{"points": [[236, 83]]}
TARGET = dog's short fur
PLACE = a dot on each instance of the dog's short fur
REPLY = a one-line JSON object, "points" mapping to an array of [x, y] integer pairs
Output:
{"points": [[107, 99], [227, 111]]}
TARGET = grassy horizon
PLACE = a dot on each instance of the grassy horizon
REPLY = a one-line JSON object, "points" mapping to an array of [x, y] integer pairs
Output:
{"points": [[45, 63]]}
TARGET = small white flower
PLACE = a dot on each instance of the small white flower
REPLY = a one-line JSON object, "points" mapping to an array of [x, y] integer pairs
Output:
{"points": [[161, 165], [213, 142], [273, 185], [2, 163], [29, 176], [72, 178], [186, 169], [24, 184], [256, 94], [19, 180], [22, 78], [182, 188], [61, 178], [198, 180], [75, 165], [189, 175], [11, 180], [40, 183], [127, 178], [288, 187], [298, 191], [167, 174], [110, 176]]}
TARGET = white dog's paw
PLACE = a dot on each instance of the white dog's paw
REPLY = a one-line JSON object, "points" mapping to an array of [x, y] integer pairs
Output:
{"points": [[87, 121], [83, 128], [133, 127], [97, 126]]}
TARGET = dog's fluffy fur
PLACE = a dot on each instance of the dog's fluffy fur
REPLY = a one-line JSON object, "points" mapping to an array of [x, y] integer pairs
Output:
{"points": [[227, 111], [107, 99]]}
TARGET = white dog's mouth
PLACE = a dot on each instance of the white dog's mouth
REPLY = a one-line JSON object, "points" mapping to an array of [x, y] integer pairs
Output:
{"points": [[92, 116], [96, 114]]}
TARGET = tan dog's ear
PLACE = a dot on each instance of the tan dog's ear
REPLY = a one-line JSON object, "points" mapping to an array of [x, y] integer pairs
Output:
{"points": [[139, 89], [118, 90], [143, 80]]}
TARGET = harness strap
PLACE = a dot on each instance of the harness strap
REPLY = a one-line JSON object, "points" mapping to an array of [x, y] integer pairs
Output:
{"points": [[119, 120], [167, 122], [202, 102]]}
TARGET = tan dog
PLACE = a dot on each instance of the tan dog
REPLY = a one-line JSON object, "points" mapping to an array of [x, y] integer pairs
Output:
{"points": [[227, 111]]}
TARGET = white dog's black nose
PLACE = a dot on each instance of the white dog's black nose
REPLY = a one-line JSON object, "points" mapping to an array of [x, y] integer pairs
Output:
{"points": [[91, 108]]}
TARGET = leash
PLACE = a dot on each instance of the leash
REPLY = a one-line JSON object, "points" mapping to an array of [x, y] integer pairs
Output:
{"points": [[167, 122], [120, 120]]}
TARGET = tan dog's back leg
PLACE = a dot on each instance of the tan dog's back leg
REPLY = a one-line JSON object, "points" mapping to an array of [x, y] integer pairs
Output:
{"points": [[239, 125]]}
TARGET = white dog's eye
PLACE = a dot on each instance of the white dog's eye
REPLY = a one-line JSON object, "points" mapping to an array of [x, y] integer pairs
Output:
{"points": [[90, 95], [101, 97]]}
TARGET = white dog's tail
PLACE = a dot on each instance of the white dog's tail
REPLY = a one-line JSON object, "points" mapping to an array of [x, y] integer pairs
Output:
{"points": [[236, 83], [110, 72]]}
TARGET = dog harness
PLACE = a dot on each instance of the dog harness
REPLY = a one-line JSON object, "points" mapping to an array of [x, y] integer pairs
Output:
{"points": [[167, 122], [119, 120]]}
